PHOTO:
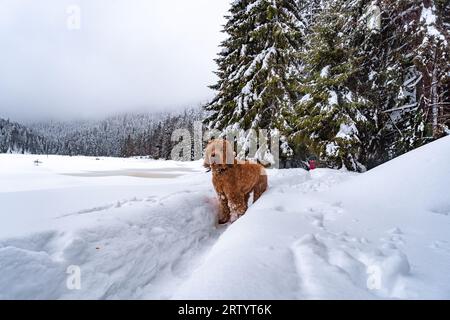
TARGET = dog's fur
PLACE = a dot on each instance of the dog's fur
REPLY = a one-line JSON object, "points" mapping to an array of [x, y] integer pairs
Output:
{"points": [[233, 180]]}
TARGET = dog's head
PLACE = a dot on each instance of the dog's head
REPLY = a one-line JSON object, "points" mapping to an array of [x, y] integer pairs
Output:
{"points": [[218, 154]]}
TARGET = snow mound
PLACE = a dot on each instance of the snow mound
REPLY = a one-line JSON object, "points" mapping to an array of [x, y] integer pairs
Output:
{"points": [[381, 234]]}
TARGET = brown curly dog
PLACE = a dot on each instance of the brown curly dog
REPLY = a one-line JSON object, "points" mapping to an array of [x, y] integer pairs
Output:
{"points": [[234, 180]]}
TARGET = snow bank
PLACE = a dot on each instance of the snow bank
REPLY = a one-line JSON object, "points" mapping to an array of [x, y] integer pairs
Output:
{"points": [[328, 234], [404, 206]]}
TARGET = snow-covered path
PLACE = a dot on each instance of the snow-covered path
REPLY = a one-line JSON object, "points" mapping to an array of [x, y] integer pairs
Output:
{"points": [[320, 234], [131, 237]]}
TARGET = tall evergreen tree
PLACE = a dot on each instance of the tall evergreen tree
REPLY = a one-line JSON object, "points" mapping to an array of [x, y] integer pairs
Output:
{"points": [[257, 68], [402, 58], [332, 116], [372, 92]]}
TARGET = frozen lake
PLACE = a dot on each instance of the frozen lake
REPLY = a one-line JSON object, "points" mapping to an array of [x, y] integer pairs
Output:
{"points": [[161, 173]]}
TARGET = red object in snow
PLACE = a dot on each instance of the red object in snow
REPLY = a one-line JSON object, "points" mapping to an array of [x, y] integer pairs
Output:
{"points": [[312, 164]]}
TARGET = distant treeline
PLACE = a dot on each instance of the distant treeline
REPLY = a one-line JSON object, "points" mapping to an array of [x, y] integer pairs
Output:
{"points": [[123, 135], [16, 138]]}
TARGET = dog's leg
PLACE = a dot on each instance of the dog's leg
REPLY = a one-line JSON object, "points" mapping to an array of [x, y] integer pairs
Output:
{"points": [[239, 206], [224, 212]]}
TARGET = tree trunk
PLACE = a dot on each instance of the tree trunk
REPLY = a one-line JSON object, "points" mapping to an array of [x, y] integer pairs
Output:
{"points": [[434, 99]]}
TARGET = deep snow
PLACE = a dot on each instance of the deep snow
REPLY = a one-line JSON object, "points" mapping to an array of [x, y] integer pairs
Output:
{"points": [[313, 235]]}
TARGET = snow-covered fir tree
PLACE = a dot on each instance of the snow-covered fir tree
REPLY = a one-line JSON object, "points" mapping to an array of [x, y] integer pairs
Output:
{"points": [[386, 66], [258, 67], [331, 117], [416, 76], [396, 71]]}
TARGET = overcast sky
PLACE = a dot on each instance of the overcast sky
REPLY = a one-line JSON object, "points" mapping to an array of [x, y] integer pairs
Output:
{"points": [[127, 55]]}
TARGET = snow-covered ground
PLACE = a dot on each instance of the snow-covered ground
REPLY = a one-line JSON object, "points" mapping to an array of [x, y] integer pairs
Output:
{"points": [[146, 229]]}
